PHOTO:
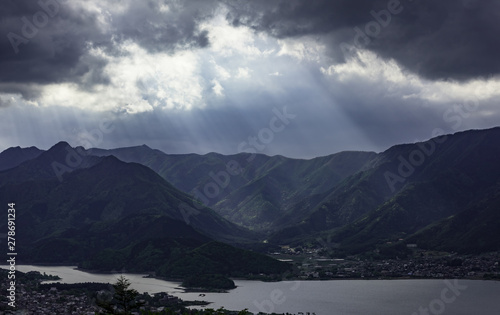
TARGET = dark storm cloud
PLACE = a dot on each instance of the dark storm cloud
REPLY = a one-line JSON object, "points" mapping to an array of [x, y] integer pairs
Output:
{"points": [[48, 41], [446, 39], [175, 28], [27, 91], [297, 17], [43, 46]]}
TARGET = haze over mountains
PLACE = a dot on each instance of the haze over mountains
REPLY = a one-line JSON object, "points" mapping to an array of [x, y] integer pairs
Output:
{"points": [[91, 206], [359, 199], [262, 189]]}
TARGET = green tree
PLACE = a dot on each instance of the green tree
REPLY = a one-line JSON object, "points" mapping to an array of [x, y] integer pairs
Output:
{"points": [[123, 300]]}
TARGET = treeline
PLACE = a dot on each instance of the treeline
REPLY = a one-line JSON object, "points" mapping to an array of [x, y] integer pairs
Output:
{"points": [[211, 282]]}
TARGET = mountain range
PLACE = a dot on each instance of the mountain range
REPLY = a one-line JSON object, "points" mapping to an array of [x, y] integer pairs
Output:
{"points": [[263, 189], [105, 214], [105, 208], [355, 200]]}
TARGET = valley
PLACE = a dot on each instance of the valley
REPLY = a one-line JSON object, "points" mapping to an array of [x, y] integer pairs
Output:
{"points": [[207, 219]]}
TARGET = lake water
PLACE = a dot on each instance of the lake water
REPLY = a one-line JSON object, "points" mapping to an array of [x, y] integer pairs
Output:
{"points": [[337, 297]]}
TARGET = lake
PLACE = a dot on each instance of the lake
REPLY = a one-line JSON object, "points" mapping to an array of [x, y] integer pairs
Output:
{"points": [[342, 297]]}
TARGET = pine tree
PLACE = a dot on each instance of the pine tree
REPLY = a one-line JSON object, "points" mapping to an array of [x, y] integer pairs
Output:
{"points": [[123, 301]]}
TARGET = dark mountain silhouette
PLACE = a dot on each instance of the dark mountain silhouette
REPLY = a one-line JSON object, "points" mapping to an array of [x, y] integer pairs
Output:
{"points": [[357, 200], [107, 214], [54, 163], [399, 194], [12, 157], [262, 191]]}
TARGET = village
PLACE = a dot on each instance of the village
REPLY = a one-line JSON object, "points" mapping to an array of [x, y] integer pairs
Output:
{"points": [[33, 297], [317, 264]]}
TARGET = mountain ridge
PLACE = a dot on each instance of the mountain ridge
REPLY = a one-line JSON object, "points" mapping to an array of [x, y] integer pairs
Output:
{"points": [[107, 215], [343, 195], [450, 179]]}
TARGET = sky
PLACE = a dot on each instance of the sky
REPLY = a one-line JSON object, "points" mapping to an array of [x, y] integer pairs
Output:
{"points": [[290, 77]]}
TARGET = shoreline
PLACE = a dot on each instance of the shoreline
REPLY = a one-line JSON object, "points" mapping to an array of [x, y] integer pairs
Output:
{"points": [[201, 290]]}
